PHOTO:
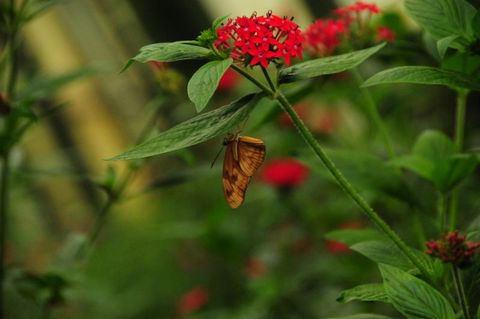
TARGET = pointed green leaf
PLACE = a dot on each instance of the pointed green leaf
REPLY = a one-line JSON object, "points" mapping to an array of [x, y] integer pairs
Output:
{"points": [[419, 165], [423, 75], [328, 65], [204, 82], [170, 52], [433, 145], [450, 172], [443, 18], [413, 297], [367, 292], [196, 130], [445, 43], [353, 236], [383, 252]]}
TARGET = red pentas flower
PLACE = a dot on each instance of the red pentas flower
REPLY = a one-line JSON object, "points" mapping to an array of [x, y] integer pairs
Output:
{"points": [[453, 248], [259, 40], [228, 81], [285, 172], [357, 7], [385, 34], [192, 301], [323, 36]]}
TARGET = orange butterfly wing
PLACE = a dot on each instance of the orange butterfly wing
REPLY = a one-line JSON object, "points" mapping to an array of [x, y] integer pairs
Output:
{"points": [[243, 157], [251, 154]]}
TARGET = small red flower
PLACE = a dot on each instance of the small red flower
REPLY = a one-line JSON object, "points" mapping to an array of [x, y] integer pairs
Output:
{"points": [[285, 172], [453, 248], [323, 36], [228, 81], [357, 7], [385, 34], [259, 40], [192, 301], [255, 267], [338, 248]]}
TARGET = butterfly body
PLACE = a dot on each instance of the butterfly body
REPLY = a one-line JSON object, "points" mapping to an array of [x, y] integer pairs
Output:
{"points": [[243, 156]]}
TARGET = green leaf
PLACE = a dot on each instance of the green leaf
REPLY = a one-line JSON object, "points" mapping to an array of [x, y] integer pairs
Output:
{"points": [[204, 82], [363, 316], [368, 292], [423, 75], [445, 43], [170, 52], [43, 87], [353, 236], [413, 297], [434, 159], [328, 65], [368, 172], [443, 18], [420, 166], [383, 252], [433, 145], [451, 172], [196, 130]]}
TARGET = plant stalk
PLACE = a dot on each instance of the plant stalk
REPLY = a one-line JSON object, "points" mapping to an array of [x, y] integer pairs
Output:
{"points": [[372, 111], [4, 179], [462, 297], [461, 108], [348, 188]]}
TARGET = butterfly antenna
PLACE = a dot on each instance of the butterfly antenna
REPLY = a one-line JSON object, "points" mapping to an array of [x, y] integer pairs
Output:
{"points": [[216, 156]]}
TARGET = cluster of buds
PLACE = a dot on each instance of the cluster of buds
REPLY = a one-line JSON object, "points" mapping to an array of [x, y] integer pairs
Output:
{"points": [[324, 36], [259, 40], [453, 248]]}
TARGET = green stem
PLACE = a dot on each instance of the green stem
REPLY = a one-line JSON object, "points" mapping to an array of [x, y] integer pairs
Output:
{"points": [[462, 297], [269, 80], [113, 197], [253, 80], [5, 172], [348, 188], [372, 111], [461, 108], [342, 181], [441, 211]]}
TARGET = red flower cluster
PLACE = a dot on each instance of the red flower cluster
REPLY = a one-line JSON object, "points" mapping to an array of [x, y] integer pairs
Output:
{"points": [[260, 40], [385, 34], [324, 35], [286, 172], [192, 301], [453, 248], [356, 8]]}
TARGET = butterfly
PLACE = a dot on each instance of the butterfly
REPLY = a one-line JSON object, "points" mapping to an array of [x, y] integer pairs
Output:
{"points": [[243, 157]]}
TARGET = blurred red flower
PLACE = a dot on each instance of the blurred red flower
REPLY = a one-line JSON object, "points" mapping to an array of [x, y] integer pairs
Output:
{"points": [[285, 172], [228, 81], [385, 34], [357, 7], [453, 248], [255, 267], [323, 36], [336, 247], [259, 40], [192, 301]]}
